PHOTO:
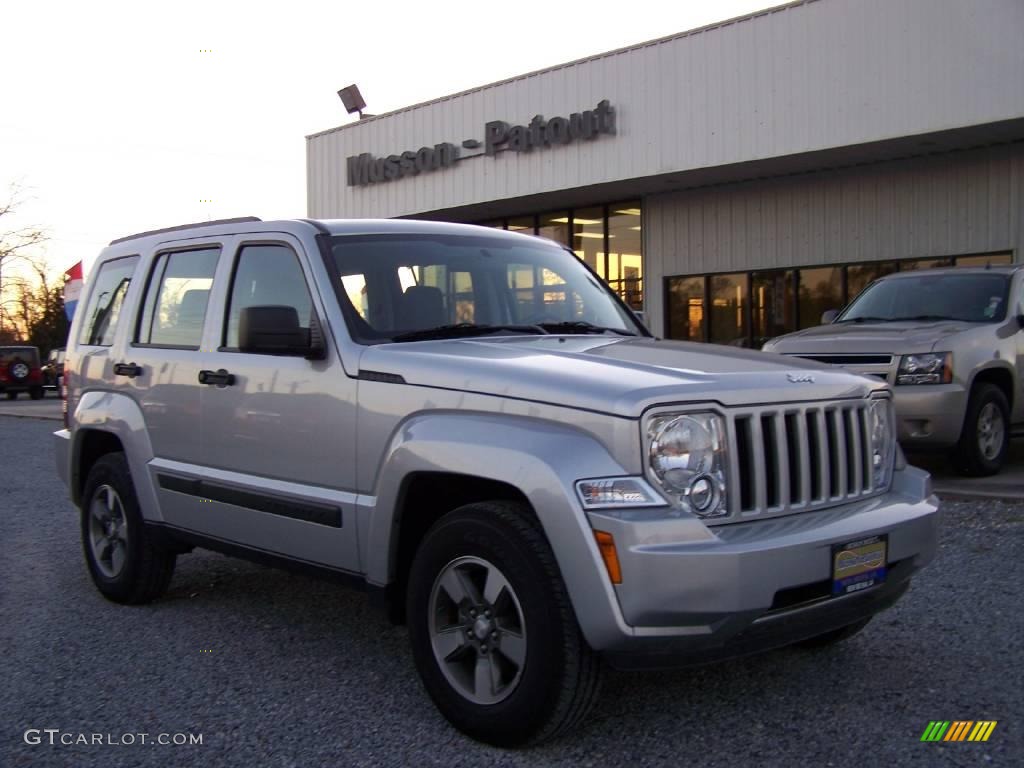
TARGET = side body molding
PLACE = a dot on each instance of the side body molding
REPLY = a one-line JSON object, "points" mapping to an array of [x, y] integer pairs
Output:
{"points": [[120, 416], [540, 458]]}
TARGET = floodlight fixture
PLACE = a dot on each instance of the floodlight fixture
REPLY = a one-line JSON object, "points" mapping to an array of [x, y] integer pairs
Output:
{"points": [[352, 99]]}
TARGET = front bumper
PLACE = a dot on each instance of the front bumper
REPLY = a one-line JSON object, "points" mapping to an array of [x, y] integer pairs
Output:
{"points": [[692, 593], [929, 415]]}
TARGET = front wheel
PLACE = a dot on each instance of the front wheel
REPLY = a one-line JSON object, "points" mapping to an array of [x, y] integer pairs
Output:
{"points": [[985, 438], [492, 629], [126, 564]]}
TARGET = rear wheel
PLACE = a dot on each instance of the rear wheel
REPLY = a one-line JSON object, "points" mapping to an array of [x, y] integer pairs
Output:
{"points": [[985, 437], [125, 562], [492, 630]]}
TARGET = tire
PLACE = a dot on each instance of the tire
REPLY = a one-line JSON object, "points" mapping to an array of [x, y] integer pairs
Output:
{"points": [[36, 393], [126, 564], [985, 437], [835, 636], [12, 395], [18, 370], [484, 589]]}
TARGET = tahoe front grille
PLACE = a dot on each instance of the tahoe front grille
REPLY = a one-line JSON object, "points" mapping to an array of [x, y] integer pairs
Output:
{"points": [[800, 457]]}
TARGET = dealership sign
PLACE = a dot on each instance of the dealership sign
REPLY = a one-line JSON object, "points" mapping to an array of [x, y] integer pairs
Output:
{"points": [[499, 136]]}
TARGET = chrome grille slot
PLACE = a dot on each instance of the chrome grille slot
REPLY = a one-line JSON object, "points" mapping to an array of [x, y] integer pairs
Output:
{"points": [[745, 463], [770, 451], [798, 457]]}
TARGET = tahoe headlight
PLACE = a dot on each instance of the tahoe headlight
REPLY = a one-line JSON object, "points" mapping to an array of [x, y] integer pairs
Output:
{"points": [[926, 368], [686, 459], [883, 441]]}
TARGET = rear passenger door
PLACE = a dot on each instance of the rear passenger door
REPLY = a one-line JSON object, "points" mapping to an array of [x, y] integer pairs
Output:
{"points": [[278, 431], [165, 349]]}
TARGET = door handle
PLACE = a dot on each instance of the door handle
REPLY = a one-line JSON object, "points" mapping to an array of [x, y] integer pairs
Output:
{"points": [[131, 370], [219, 378]]}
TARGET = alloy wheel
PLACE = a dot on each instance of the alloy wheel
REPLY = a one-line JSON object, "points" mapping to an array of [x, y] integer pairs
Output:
{"points": [[991, 431], [108, 531], [477, 631]]}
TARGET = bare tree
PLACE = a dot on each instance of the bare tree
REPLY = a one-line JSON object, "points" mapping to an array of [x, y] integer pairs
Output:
{"points": [[17, 244]]}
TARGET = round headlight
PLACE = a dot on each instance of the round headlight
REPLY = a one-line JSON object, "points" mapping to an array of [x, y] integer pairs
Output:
{"points": [[682, 450]]}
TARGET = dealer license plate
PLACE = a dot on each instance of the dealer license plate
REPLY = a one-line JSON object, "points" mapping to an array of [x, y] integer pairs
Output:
{"points": [[859, 564]]}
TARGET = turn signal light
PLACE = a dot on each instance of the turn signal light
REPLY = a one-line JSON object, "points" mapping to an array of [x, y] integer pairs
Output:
{"points": [[606, 544]]}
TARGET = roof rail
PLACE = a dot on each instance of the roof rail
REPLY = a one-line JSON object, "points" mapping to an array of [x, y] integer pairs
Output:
{"points": [[239, 220]]}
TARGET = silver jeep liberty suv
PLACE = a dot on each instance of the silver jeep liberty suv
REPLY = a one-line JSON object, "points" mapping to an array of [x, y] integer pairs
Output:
{"points": [[469, 425]]}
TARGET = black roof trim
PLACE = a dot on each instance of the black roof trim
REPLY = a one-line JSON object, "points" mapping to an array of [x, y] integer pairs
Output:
{"points": [[239, 220]]}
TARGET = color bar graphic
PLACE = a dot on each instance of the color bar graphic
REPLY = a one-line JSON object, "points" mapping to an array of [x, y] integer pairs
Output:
{"points": [[959, 730], [935, 731]]}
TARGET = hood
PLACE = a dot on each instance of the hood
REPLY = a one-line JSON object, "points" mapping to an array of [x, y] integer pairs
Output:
{"points": [[621, 376], [898, 338]]}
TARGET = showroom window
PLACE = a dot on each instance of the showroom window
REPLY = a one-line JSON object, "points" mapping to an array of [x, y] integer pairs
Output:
{"points": [[608, 238], [821, 289], [748, 308], [686, 309], [772, 306], [728, 309]]}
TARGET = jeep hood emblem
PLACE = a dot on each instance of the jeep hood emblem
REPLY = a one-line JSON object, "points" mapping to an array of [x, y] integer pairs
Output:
{"points": [[800, 378]]}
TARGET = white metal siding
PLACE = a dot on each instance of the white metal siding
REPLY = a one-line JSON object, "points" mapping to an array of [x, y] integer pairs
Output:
{"points": [[800, 78], [958, 203]]}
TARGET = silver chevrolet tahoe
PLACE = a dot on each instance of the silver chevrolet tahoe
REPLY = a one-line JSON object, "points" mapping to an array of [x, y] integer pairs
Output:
{"points": [[469, 425], [950, 342]]}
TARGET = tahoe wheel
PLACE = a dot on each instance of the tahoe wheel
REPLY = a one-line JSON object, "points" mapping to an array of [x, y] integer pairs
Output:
{"points": [[493, 633], [125, 563], [985, 437]]}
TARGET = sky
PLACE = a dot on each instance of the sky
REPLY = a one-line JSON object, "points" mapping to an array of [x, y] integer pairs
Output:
{"points": [[118, 117]]}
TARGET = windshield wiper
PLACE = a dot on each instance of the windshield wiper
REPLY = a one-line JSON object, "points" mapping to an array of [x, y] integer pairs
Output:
{"points": [[582, 326], [459, 330], [864, 319], [923, 318]]}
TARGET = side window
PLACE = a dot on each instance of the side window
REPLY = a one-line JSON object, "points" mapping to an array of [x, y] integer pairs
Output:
{"points": [[105, 301], [267, 275], [176, 297]]}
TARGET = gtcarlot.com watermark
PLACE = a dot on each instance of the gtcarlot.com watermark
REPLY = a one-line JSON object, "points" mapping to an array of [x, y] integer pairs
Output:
{"points": [[57, 737]]}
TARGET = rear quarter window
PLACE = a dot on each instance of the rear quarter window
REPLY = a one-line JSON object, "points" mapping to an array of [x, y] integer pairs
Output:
{"points": [[105, 300]]}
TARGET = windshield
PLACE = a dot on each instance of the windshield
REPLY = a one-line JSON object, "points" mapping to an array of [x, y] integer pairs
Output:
{"points": [[974, 297], [411, 287]]}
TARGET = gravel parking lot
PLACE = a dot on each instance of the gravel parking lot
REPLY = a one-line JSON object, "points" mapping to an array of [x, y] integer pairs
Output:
{"points": [[275, 669]]}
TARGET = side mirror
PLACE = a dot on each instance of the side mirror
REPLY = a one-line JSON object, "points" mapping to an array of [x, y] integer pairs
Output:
{"points": [[829, 316], [275, 330]]}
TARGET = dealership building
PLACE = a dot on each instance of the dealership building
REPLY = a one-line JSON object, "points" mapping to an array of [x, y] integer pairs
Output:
{"points": [[733, 181]]}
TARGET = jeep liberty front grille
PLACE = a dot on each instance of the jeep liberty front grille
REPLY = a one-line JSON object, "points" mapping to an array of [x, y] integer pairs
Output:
{"points": [[799, 457]]}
